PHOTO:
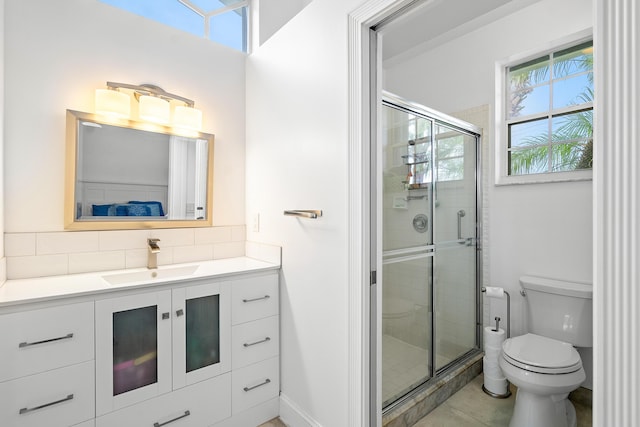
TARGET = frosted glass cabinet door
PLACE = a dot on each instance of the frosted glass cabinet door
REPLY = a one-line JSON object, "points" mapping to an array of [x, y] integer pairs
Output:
{"points": [[201, 332], [133, 349]]}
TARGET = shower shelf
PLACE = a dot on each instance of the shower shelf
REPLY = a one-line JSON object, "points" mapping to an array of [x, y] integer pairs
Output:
{"points": [[414, 186], [415, 159]]}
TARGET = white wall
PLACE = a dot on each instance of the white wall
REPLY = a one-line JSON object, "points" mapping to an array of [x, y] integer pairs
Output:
{"points": [[3, 272], [273, 14], [297, 134], [58, 52], [543, 229]]}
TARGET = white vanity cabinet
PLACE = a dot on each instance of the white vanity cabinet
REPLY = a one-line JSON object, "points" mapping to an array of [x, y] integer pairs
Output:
{"points": [[198, 352], [256, 345], [151, 343], [47, 367]]}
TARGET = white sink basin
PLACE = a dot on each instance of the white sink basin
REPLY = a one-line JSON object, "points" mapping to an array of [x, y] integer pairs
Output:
{"points": [[156, 275]]}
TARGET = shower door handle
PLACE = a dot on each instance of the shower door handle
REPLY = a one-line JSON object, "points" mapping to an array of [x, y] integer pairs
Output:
{"points": [[407, 254], [460, 214]]}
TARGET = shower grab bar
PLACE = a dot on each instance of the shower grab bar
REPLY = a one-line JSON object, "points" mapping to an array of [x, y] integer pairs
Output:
{"points": [[304, 213]]}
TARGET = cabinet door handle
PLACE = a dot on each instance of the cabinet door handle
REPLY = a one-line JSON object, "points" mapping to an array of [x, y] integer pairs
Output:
{"points": [[27, 344], [265, 382], [186, 414], [35, 408], [256, 299], [166, 316], [249, 344], [179, 312]]}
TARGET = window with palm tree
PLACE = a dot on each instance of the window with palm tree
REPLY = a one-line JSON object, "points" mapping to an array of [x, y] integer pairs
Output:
{"points": [[550, 112]]}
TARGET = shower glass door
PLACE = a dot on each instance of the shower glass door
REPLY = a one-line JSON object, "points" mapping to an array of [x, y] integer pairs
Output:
{"points": [[407, 252], [454, 285], [427, 274]]}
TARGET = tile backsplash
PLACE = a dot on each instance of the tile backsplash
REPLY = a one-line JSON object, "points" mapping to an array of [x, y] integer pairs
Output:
{"points": [[56, 253]]}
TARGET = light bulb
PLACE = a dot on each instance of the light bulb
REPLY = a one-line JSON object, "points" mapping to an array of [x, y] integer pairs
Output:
{"points": [[154, 109], [187, 118], [113, 103]]}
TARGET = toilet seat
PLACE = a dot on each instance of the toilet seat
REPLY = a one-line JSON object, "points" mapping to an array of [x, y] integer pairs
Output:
{"points": [[541, 355]]}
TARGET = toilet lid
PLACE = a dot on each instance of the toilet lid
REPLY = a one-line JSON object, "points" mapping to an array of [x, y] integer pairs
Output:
{"points": [[541, 354]]}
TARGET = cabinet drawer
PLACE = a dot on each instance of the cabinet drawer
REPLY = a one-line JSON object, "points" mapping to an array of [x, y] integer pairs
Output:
{"points": [[61, 397], [254, 298], [40, 340], [255, 384], [198, 405], [255, 341]]}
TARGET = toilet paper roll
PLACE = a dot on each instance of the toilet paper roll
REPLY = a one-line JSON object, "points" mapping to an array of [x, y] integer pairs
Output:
{"points": [[495, 385], [492, 348], [489, 365], [491, 368], [493, 338], [492, 372], [492, 354], [494, 291]]}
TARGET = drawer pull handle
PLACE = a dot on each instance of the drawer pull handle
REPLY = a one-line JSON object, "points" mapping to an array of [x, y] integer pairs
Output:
{"points": [[27, 410], [256, 299], [27, 344], [267, 381], [186, 414], [249, 344]]}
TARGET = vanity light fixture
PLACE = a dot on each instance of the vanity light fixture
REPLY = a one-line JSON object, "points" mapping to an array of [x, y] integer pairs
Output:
{"points": [[188, 118], [154, 109], [154, 105], [113, 103]]}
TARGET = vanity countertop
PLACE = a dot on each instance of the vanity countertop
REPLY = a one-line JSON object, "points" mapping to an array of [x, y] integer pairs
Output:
{"points": [[23, 291]]}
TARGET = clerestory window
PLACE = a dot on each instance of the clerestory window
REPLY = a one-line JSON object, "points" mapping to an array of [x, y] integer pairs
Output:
{"points": [[547, 118], [222, 21]]}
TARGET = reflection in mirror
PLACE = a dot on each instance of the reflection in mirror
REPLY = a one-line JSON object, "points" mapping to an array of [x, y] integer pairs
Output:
{"points": [[126, 174]]}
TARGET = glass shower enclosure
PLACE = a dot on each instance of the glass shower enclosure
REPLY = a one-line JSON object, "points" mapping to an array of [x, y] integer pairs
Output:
{"points": [[429, 269]]}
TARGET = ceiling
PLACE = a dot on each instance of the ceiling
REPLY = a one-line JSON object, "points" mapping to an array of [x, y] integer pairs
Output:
{"points": [[433, 22]]}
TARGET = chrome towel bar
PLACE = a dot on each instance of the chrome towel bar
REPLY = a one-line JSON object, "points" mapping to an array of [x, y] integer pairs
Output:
{"points": [[304, 213]]}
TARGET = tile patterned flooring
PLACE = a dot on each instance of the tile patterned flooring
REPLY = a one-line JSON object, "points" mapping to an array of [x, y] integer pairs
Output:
{"points": [[471, 407], [273, 423]]}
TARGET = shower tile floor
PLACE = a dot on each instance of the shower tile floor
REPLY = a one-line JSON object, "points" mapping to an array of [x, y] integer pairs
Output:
{"points": [[402, 365]]}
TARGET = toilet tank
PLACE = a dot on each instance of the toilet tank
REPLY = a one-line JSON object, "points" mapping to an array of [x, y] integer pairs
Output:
{"points": [[559, 309]]}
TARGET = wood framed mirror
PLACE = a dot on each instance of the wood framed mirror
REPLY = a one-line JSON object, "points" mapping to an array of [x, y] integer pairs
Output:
{"points": [[124, 174]]}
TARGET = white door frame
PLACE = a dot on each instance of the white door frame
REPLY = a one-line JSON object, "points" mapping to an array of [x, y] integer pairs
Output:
{"points": [[616, 385], [360, 107]]}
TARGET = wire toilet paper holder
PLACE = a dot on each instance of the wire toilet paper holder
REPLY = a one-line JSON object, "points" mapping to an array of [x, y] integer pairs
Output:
{"points": [[508, 311], [508, 393]]}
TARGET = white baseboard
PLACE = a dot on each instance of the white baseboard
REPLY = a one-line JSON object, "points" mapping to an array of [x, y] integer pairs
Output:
{"points": [[293, 416]]}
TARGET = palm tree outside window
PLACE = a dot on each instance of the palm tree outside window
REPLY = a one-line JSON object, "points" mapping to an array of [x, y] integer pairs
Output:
{"points": [[549, 112]]}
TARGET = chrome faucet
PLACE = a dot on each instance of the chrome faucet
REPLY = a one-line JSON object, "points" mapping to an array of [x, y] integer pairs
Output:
{"points": [[152, 261]]}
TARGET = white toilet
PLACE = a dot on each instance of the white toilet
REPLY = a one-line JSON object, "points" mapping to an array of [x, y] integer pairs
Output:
{"points": [[544, 364]]}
